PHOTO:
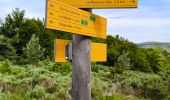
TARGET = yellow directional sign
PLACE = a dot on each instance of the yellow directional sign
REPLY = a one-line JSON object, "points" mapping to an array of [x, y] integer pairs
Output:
{"points": [[63, 17], [102, 3], [98, 54]]}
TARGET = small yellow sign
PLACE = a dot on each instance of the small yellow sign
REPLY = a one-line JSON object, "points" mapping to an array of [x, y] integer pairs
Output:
{"points": [[98, 51], [63, 17], [60, 50], [102, 3]]}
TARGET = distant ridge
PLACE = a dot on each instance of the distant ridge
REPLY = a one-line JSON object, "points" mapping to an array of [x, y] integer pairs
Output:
{"points": [[164, 45]]}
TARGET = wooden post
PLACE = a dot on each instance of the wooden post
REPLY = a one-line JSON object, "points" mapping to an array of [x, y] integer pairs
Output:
{"points": [[81, 70]]}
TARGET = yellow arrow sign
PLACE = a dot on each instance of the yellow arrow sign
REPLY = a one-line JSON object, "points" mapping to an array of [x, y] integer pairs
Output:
{"points": [[98, 54], [102, 3], [63, 17]]}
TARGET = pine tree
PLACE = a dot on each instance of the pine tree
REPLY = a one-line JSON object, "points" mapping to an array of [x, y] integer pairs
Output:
{"points": [[33, 52], [124, 60], [7, 51]]}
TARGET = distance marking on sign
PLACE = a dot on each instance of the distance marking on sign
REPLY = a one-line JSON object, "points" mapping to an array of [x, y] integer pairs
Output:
{"points": [[102, 3]]}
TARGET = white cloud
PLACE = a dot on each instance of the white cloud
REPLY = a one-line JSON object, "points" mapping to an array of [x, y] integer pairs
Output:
{"points": [[147, 23], [33, 8], [141, 30]]}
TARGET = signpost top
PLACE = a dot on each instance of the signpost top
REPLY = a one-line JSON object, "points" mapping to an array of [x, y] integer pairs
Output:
{"points": [[63, 17], [102, 3]]}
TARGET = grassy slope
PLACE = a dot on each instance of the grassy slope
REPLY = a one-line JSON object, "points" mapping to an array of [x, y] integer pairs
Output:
{"points": [[51, 81], [166, 46]]}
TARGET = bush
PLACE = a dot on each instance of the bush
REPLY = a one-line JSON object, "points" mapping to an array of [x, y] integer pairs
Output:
{"points": [[100, 87], [5, 67], [48, 80], [49, 83], [64, 68], [2, 96], [142, 84], [38, 92], [167, 98]]}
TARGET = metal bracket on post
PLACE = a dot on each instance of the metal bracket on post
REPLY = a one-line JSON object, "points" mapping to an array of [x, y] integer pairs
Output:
{"points": [[69, 51]]}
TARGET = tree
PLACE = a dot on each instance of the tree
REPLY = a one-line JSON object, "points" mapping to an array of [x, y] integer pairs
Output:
{"points": [[124, 60], [123, 63], [157, 59], [13, 27], [7, 51], [139, 60], [33, 52], [13, 23], [112, 50], [116, 46], [20, 29], [0, 22], [168, 61]]}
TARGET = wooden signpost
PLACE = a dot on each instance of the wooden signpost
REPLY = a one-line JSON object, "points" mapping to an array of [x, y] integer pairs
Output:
{"points": [[84, 25], [102, 3]]}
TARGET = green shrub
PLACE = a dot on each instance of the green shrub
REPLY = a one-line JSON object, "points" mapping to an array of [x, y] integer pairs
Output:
{"points": [[95, 67], [16, 70], [38, 92], [15, 96], [100, 86], [114, 97], [46, 64], [5, 67], [167, 98], [49, 83], [49, 96], [63, 68], [2, 96], [142, 84]]}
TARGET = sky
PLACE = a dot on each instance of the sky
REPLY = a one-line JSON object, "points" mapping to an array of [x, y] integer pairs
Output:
{"points": [[149, 22]]}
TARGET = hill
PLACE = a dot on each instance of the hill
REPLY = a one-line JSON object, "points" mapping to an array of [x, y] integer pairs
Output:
{"points": [[164, 45]]}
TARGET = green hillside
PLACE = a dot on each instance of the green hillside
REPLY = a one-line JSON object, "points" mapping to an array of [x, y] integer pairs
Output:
{"points": [[164, 45]]}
